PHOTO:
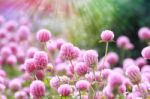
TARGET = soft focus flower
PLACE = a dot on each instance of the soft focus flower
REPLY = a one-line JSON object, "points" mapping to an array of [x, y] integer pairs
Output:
{"points": [[122, 41], [64, 90], [68, 51], [91, 57], [41, 59], [21, 95], [107, 36], [115, 79], [30, 65], [37, 88], [82, 85], [144, 33], [43, 35], [112, 58], [134, 75], [146, 52], [81, 68], [55, 82]]}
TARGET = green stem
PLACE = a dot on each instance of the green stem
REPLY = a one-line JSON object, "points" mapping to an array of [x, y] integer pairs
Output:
{"points": [[106, 50], [80, 94]]}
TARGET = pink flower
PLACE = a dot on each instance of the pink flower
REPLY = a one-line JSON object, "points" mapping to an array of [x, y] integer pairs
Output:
{"points": [[133, 72], [21, 95], [140, 62], [11, 60], [23, 33], [40, 74], [43, 35], [91, 57], [11, 25], [37, 88], [3, 33], [31, 51], [144, 33], [82, 85], [115, 79], [112, 58], [55, 82], [122, 41], [30, 65], [41, 59], [146, 52], [59, 43], [15, 85], [81, 68], [64, 90], [107, 36], [5, 52], [69, 52]]}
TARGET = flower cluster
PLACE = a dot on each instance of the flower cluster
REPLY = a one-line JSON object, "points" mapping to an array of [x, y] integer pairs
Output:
{"points": [[58, 69]]}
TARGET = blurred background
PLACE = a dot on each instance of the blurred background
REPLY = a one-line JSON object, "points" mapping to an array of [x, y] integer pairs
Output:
{"points": [[81, 21]]}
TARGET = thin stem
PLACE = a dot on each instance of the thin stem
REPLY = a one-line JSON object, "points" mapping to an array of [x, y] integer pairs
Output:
{"points": [[106, 50], [80, 94]]}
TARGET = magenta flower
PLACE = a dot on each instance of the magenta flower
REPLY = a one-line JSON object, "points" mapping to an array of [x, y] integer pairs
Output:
{"points": [[81, 68], [37, 88], [107, 36], [41, 59], [146, 52], [133, 72], [82, 85], [64, 90], [43, 35]]}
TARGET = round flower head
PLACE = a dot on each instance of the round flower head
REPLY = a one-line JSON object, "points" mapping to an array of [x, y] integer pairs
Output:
{"points": [[41, 59], [128, 62], [11, 25], [81, 68], [91, 57], [59, 43], [105, 73], [112, 58], [133, 72], [11, 60], [43, 35], [115, 79], [69, 52], [122, 41], [15, 85], [140, 62], [40, 74], [3, 33], [51, 47], [21, 95], [129, 46], [5, 52], [31, 51], [107, 36], [23, 33], [37, 88], [144, 33], [64, 90], [55, 82], [14, 47], [146, 52], [82, 85], [30, 65]]}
